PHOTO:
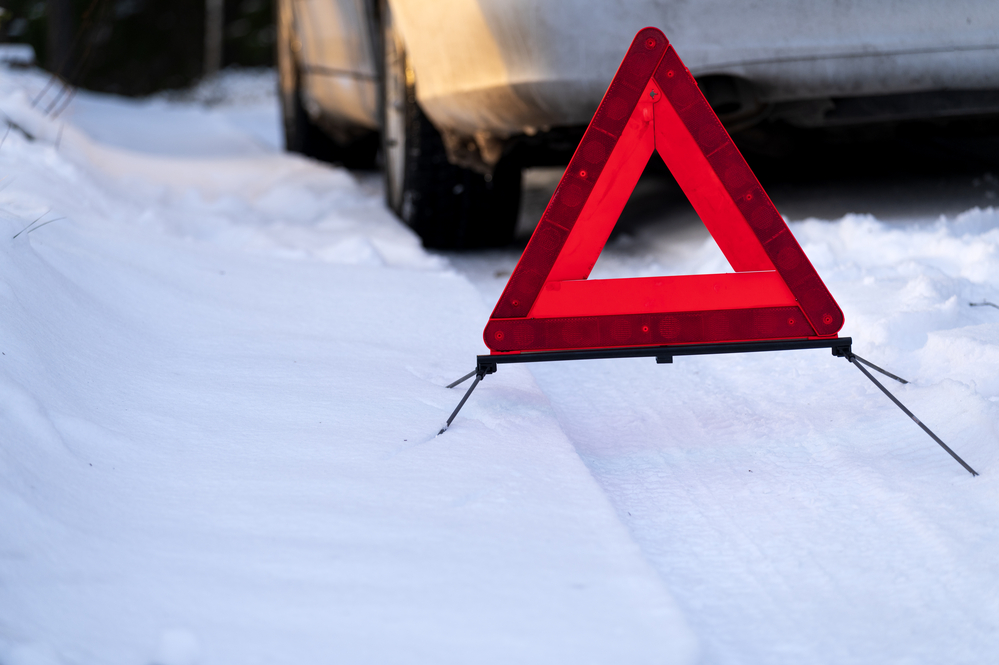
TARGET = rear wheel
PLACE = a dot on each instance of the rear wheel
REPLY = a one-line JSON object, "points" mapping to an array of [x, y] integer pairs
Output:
{"points": [[304, 136], [447, 205]]}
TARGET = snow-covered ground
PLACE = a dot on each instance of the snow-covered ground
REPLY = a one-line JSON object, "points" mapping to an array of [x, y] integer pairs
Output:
{"points": [[223, 370]]}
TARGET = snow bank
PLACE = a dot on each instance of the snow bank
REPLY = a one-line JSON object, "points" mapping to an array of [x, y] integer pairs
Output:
{"points": [[222, 369]]}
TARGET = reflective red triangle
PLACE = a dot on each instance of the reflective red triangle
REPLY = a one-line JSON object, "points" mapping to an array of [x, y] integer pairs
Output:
{"points": [[653, 103]]}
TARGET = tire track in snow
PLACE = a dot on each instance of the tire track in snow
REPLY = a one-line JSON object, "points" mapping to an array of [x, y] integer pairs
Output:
{"points": [[821, 552]]}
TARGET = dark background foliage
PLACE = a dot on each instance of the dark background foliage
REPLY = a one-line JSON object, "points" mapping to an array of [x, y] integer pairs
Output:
{"points": [[136, 47]]}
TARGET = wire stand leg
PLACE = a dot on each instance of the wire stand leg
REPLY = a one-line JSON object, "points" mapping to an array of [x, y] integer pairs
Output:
{"points": [[916, 420], [872, 366], [462, 403], [464, 378]]}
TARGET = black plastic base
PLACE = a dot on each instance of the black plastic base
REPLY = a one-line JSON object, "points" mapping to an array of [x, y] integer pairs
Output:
{"points": [[841, 347]]}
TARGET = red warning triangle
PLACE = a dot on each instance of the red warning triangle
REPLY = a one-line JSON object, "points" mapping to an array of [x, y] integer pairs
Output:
{"points": [[653, 103]]}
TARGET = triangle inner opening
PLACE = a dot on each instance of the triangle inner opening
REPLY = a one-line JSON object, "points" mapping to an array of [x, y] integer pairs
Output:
{"points": [[659, 233]]}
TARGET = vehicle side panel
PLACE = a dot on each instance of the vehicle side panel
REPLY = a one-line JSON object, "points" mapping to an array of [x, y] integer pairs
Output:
{"points": [[336, 60], [517, 65]]}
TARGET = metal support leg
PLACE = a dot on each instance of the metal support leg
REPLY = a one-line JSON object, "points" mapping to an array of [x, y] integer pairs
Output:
{"points": [[482, 368], [464, 378], [871, 365], [857, 363], [461, 403]]}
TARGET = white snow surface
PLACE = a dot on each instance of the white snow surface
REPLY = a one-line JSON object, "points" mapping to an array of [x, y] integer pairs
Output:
{"points": [[223, 371]]}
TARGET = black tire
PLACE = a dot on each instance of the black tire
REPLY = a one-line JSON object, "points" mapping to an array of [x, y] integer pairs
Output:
{"points": [[448, 206], [305, 137]]}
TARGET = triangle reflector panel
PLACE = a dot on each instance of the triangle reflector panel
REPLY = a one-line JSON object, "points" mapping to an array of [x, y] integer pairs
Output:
{"points": [[653, 103]]}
